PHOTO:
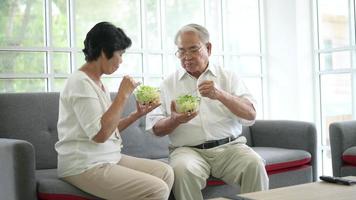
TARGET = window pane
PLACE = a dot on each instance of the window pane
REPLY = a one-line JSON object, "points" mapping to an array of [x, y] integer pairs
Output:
{"points": [[22, 62], [80, 60], [58, 84], [22, 23], [131, 65], [254, 85], [327, 166], [154, 64], [22, 85], [61, 63], [180, 13], [242, 26], [112, 83], [213, 24], [173, 64], [60, 27], [333, 17], [122, 13], [244, 65], [336, 101], [154, 82], [153, 31], [217, 60], [335, 60]]}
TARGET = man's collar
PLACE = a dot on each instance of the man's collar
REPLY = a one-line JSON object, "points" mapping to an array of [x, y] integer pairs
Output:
{"points": [[211, 68]]}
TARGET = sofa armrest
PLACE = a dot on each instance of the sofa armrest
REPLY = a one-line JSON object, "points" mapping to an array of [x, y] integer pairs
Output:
{"points": [[17, 170], [286, 134], [342, 136]]}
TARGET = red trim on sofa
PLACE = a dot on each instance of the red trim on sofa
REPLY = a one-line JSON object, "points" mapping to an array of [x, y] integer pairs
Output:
{"points": [[287, 169], [286, 165], [274, 169], [46, 196], [349, 159], [215, 182]]}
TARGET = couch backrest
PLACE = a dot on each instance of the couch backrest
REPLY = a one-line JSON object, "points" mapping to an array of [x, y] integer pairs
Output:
{"points": [[33, 117]]}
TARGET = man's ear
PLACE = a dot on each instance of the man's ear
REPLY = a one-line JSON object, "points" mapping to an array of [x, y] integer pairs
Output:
{"points": [[208, 47]]}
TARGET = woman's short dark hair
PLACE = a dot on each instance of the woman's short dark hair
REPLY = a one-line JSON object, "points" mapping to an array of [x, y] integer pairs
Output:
{"points": [[105, 37]]}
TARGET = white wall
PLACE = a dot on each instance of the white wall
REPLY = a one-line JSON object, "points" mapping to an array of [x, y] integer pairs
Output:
{"points": [[289, 60]]}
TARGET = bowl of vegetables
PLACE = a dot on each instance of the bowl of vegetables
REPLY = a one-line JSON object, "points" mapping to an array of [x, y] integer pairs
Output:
{"points": [[147, 94], [187, 103]]}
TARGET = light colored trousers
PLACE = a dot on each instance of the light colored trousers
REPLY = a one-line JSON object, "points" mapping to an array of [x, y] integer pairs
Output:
{"points": [[130, 179], [235, 163]]}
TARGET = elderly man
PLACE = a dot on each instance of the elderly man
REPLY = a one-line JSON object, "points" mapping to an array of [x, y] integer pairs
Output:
{"points": [[206, 142]]}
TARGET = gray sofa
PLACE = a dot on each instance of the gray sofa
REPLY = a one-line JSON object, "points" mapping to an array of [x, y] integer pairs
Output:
{"points": [[343, 148], [28, 159]]}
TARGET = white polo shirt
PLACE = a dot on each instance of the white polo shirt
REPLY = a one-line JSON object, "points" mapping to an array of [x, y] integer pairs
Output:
{"points": [[214, 121], [81, 106]]}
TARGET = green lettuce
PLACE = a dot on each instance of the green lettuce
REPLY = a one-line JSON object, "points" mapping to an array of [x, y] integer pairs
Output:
{"points": [[147, 94], [187, 103]]}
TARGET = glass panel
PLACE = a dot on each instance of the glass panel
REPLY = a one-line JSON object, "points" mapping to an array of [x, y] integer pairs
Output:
{"points": [[327, 166], [154, 64], [254, 85], [333, 18], [153, 31], [22, 23], [244, 65], [61, 62], [217, 60], [112, 83], [122, 13], [22, 62], [131, 65], [22, 85], [213, 24], [154, 82], [60, 26], [336, 101], [58, 84], [335, 60], [242, 32], [173, 64], [80, 60], [180, 13]]}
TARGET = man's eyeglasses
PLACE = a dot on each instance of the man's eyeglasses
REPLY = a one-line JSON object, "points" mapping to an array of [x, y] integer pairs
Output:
{"points": [[182, 53]]}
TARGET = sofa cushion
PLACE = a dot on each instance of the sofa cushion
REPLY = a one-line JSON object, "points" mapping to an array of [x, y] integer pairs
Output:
{"points": [[49, 187], [349, 156], [282, 159]]}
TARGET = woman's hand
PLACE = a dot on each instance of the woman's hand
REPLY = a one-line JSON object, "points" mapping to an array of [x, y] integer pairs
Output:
{"points": [[143, 109], [127, 85]]}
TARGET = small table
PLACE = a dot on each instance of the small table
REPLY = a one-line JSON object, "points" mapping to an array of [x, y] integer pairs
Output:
{"points": [[308, 191]]}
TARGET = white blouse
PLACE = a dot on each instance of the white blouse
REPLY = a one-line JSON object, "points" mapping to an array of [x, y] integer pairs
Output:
{"points": [[81, 106]]}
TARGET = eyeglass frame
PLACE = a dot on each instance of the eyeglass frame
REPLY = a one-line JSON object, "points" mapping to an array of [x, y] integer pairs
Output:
{"points": [[187, 52]]}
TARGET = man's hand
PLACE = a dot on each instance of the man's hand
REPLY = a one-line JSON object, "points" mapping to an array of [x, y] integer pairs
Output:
{"points": [[207, 89], [181, 117]]}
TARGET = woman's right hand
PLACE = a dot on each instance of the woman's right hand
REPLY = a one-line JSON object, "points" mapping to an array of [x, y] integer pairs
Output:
{"points": [[127, 85]]}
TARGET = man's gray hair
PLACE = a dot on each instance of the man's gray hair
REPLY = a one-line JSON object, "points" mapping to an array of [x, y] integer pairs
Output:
{"points": [[196, 28]]}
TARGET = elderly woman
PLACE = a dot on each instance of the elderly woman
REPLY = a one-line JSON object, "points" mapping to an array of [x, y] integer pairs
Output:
{"points": [[89, 127]]}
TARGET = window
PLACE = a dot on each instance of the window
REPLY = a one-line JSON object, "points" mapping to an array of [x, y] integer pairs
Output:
{"points": [[335, 54], [41, 40]]}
